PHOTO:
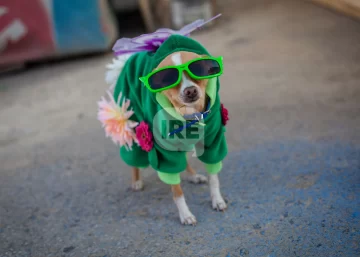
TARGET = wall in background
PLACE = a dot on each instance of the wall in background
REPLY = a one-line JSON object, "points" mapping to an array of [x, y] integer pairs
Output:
{"points": [[47, 28]]}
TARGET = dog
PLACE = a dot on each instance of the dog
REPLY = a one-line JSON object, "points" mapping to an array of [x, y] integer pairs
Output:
{"points": [[189, 96]]}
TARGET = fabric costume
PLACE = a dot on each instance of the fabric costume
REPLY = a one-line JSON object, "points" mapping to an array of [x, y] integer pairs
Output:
{"points": [[168, 161]]}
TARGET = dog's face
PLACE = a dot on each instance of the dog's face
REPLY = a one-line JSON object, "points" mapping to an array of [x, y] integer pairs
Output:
{"points": [[189, 95]]}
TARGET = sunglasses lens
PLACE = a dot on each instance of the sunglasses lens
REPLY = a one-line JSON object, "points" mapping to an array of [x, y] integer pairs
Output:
{"points": [[164, 78], [203, 68]]}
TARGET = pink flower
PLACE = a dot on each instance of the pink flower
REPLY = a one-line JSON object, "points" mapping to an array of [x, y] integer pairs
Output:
{"points": [[144, 136], [224, 115], [115, 120]]}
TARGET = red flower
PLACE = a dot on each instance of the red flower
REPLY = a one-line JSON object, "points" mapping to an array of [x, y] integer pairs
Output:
{"points": [[144, 136], [224, 115]]}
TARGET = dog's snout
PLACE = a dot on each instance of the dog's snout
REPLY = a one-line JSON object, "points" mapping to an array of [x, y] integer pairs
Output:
{"points": [[191, 92]]}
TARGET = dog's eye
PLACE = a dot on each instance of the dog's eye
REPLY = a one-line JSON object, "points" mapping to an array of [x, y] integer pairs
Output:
{"points": [[204, 68], [164, 78], [198, 68]]}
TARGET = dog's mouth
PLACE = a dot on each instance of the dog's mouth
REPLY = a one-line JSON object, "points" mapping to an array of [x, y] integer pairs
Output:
{"points": [[190, 99]]}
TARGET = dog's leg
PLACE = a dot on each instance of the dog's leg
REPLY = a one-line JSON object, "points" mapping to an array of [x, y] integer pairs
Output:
{"points": [[137, 184], [192, 177], [186, 217], [218, 202]]}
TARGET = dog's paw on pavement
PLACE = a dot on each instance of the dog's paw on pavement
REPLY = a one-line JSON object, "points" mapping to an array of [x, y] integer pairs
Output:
{"points": [[187, 218], [197, 179], [218, 203], [137, 185]]}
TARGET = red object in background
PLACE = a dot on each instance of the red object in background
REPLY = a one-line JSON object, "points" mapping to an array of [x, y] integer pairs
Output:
{"points": [[25, 31]]}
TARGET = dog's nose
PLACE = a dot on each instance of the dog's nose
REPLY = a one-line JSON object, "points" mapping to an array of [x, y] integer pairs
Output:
{"points": [[191, 92]]}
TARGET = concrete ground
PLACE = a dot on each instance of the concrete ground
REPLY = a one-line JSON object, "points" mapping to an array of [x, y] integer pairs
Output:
{"points": [[292, 177]]}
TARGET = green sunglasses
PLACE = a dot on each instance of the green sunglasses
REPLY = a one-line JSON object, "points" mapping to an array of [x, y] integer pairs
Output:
{"points": [[170, 76]]}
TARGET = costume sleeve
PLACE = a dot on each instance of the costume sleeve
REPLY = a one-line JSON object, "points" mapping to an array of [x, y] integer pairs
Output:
{"points": [[124, 86], [136, 157], [214, 147], [168, 161]]}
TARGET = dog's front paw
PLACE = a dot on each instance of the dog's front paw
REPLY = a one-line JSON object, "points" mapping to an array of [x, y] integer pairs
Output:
{"points": [[187, 218], [218, 203], [137, 185], [197, 179]]}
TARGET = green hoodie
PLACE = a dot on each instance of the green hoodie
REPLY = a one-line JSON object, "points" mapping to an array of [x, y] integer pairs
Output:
{"points": [[168, 155]]}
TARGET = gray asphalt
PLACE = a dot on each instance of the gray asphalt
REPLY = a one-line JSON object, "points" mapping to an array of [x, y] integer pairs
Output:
{"points": [[292, 87]]}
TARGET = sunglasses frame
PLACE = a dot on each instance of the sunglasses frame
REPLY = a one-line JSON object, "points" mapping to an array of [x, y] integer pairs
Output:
{"points": [[181, 68]]}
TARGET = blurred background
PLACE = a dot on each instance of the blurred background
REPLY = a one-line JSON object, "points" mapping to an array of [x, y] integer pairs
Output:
{"points": [[292, 87], [48, 29]]}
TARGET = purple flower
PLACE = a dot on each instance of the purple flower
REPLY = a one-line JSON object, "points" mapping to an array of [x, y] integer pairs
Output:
{"points": [[151, 42]]}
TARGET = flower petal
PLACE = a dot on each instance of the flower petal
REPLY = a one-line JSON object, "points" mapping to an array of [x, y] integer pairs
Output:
{"points": [[152, 41]]}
